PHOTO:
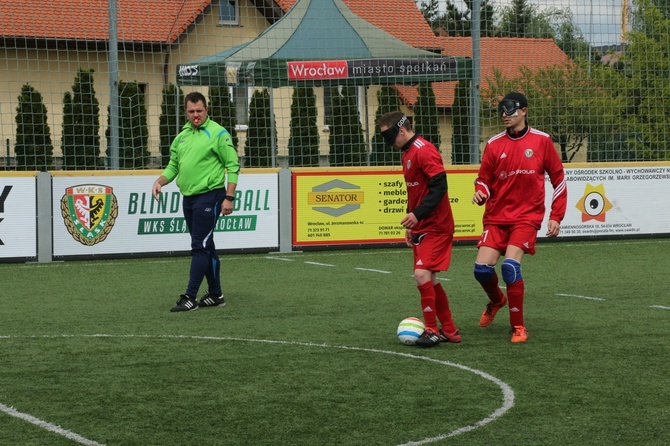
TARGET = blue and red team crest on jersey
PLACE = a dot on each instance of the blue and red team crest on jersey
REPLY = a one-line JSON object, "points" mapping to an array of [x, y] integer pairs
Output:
{"points": [[89, 212]]}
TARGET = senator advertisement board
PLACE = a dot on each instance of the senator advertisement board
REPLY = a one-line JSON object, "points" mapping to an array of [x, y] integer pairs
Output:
{"points": [[112, 213], [366, 206], [18, 215]]}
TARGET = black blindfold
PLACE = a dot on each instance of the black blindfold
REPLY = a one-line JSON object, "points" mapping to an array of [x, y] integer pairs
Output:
{"points": [[391, 133]]}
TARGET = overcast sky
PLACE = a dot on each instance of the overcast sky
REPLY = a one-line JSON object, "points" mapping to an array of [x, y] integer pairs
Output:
{"points": [[599, 20]]}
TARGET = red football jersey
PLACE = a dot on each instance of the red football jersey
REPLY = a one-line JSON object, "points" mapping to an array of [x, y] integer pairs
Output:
{"points": [[420, 162], [512, 175]]}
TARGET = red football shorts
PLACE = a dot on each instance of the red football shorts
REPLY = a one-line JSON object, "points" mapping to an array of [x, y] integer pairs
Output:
{"points": [[432, 251], [501, 236]]}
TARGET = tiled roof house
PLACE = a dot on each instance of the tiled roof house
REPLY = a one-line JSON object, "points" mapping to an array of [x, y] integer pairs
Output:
{"points": [[141, 22], [164, 22], [504, 54], [43, 41]]}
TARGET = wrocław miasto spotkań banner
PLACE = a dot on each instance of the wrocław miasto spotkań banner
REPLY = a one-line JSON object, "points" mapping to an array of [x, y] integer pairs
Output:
{"points": [[366, 205], [116, 214]]}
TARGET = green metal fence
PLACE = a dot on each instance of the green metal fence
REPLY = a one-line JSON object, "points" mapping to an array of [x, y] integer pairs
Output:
{"points": [[99, 85]]}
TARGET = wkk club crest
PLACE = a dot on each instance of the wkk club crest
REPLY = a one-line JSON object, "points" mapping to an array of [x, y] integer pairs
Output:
{"points": [[89, 212]]}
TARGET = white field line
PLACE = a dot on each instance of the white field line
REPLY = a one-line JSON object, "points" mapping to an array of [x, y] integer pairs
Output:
{"points": [[319, 264], [444, 279], [660, 307], [506, 389], [602, 243], [390, 251], [580, 297], [374, 270], [48, 426]]}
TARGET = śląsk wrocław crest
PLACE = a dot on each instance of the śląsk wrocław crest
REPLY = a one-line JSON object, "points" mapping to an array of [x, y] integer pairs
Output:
{"points": [[89, 212]]}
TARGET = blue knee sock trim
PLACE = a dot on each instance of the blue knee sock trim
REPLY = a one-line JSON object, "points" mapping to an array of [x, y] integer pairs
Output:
{"points": [[511, 271], [483, 272]]}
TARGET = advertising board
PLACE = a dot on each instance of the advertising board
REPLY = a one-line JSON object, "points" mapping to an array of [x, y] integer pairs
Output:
{"points": [[116, 214]]}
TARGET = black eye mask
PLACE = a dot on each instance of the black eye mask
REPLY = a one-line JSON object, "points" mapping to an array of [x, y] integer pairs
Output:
{"points": [[391, 133], [508, 106]]}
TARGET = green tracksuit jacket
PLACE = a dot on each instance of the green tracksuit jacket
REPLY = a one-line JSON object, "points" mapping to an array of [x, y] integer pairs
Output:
{"points": [[200, 158]]}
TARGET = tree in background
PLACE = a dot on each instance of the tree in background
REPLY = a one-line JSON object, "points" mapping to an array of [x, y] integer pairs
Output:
{"points": [[569, 38], [663, 7], [426, 115], [388, 99], [171, 120], [133, 129], [80, 141], [303, 144], [222, 110], [460, 121], [645, 64], [456, 22], [523, 19], [486, 17], [347, 145], [607, 113], [431, 12], [459, 23], [520, 18], [34, 150], [259, 143], [566, 102]]}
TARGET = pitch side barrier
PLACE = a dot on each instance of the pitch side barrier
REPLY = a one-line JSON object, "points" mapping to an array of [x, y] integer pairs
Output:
{"points": [[54, 216], [358, 206]]}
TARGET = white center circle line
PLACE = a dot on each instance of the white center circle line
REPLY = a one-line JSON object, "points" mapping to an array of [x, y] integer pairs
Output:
{"points": [[507, 392]]}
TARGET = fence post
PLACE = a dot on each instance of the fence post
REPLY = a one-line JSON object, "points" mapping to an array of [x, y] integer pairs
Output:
{"points": [[285, 211], [44, 218]]}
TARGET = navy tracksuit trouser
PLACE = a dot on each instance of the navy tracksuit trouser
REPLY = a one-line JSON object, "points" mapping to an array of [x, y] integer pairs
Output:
{"points": [[201, 213]]}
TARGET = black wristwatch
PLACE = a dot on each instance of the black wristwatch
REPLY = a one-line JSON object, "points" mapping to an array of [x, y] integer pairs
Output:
{"points": [[229, 198]]}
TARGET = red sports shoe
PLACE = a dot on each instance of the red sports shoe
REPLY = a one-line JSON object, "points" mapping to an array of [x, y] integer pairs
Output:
{"points": [[519, 334], [454, 337], [490, 312]]}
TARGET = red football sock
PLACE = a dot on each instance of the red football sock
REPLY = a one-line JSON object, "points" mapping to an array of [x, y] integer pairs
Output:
{"points": [[428, 305], [493, 291], [443, 311], [515, 293]]}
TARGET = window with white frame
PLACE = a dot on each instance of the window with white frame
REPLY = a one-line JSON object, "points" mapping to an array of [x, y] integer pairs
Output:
{"points": [[327, 107], [241, 97], [229, 12]]}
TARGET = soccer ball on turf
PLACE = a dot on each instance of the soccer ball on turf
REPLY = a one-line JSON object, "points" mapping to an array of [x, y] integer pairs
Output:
{"points": [[410, 329]]}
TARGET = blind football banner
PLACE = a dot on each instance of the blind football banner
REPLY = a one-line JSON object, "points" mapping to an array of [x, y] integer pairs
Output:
{"points": [[115, 213], [354, 206]]}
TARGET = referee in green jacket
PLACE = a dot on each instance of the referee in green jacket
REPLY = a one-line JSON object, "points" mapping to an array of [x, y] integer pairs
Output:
{"points": [[200, 157]]}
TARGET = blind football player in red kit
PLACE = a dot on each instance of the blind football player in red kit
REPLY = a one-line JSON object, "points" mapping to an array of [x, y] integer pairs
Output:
{"points": [[511, 183], [429, 223]]}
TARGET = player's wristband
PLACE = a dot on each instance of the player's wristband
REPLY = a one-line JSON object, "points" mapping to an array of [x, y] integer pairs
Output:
{"points": [[229, 198]]}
